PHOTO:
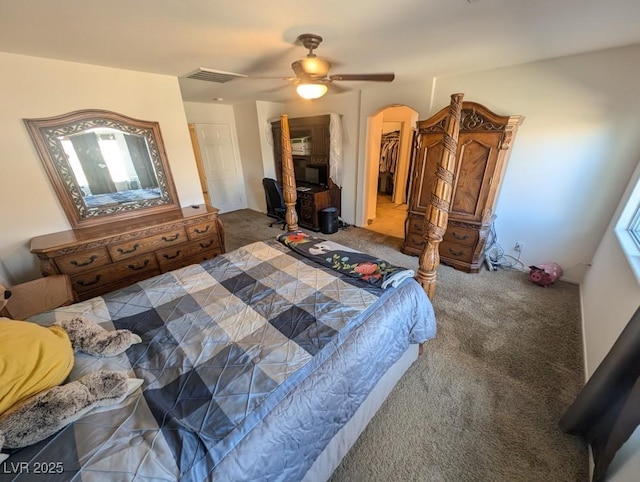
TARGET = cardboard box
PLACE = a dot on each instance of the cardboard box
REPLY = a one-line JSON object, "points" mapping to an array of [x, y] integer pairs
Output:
{"points": [[42, 294]]}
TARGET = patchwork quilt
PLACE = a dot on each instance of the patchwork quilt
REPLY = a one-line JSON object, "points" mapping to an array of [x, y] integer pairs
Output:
{"points": [[229, 346]]}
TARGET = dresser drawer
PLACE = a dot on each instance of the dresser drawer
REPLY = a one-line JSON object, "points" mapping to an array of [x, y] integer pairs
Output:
{"points": [[121, 283], [306, 216], [458, 235], [202, 256], [456, 251], [202, 230], [175, 254], [146, 245], [82, 261], [307, 203], [96, 278]]}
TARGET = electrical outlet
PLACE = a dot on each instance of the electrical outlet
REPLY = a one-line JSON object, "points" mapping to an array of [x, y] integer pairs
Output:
{"points": [[518, 247]]}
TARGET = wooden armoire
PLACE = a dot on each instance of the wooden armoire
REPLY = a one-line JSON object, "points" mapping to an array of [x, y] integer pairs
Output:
{"points": [[484, 146], [322, 193]]}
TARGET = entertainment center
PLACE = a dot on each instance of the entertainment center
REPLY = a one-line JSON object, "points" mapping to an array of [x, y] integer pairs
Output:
{"points": [[310, 150]]}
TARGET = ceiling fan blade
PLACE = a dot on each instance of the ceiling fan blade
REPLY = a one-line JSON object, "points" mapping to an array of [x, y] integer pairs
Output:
{"points": [[269, 77], [270, 62], [337, 89], [369, 77], [276, 89]]}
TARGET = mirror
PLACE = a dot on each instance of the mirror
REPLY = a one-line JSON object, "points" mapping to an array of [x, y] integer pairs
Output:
{"points": [[104, 166]]}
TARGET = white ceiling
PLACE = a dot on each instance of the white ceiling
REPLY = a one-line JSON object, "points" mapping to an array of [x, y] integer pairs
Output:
{"points": [[413, 38]]}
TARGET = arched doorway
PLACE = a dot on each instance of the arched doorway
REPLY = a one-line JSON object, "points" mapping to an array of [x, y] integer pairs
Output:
{"points": [[386, 180]]}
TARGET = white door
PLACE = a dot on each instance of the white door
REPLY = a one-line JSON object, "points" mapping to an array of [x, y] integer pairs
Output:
{"points": [[221, 167]]}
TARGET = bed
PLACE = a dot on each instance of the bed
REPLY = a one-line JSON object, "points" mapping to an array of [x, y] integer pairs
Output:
{"points": [[258, 365]]}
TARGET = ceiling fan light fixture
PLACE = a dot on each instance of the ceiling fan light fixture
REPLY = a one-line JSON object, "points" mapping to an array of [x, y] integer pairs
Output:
{"points": [[311, 91], [315, 65]]}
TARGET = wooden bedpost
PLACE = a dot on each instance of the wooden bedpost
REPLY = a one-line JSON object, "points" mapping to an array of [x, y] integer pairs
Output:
{"points": [[288, 177], [437, 213]]}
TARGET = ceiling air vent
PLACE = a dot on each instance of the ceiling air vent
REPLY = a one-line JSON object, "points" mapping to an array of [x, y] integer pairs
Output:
{"points": [[211, 75]]}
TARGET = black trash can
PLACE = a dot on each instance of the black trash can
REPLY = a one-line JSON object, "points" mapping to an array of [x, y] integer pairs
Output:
{"points": [[329, 220]]}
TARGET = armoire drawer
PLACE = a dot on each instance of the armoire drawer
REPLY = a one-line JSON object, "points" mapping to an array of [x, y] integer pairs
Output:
{"points": [[416, 241], [83, 261], [416, 223], [92, 279], [459, 235], [175, 254], [456, 251], [148, 244]]}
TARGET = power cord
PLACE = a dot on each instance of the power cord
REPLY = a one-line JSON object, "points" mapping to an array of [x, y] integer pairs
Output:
{"points": [[496, 258], [343, 225]]}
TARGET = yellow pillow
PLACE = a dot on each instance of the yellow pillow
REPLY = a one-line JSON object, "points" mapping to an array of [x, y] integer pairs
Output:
{"points": [[32, 359]]}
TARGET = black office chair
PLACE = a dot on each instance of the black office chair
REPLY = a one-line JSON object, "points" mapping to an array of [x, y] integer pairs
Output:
{"points": [[275, 201]]}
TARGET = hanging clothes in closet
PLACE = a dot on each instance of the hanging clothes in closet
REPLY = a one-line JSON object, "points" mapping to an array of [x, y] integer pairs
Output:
{"points": [[389, 153]]}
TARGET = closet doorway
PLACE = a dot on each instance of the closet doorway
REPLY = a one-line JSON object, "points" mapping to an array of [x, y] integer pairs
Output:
{"points": [[389, 140]]}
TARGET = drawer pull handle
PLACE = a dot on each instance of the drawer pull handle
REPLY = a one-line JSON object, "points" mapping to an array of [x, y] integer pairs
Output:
{"points": [[138, 268], [86, 263], [172, 238], [459, 236], [203, 245], [167, 256], [203, 230], [456, 253], [89, 283], [127, 251]]}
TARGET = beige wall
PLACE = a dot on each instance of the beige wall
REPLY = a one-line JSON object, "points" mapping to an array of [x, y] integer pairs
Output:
{"points": [[267, 113], [34, 87], [251, 154]]}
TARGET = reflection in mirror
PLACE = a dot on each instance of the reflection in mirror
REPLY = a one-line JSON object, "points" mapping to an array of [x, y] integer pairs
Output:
{"points": [[111, 167], [104, 166]]}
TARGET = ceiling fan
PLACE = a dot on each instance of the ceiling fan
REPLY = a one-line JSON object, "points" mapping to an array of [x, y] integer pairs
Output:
{"points": [[312, 72], [312, 78]]}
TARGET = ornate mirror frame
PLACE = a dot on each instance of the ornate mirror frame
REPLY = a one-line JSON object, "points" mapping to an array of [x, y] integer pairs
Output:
{"points": [[46, 134]]}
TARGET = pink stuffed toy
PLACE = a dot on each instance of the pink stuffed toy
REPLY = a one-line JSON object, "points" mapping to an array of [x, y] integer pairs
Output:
{"points": [[544, 274]]}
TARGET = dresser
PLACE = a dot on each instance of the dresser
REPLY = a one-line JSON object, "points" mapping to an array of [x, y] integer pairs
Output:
{"points": [[484, 144], [99, 259]]}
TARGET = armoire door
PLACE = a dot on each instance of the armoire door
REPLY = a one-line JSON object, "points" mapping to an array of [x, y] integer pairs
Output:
{"points": [[425, 163], [477, 156]]}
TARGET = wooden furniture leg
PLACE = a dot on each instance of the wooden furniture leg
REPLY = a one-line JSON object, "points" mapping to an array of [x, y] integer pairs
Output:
{"points": [[437, 213], [288, 177]]}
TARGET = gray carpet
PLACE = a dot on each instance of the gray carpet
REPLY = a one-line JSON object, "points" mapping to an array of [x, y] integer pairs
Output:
{"points": [[483, 401]]}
